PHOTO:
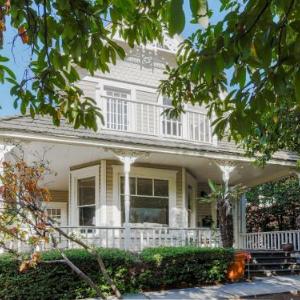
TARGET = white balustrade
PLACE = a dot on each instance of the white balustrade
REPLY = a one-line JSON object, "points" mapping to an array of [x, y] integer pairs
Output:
{"points": [[140, 237], [149, 119], [272, 240]]}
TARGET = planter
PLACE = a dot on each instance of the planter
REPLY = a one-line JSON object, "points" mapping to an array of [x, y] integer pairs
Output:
{"points": [[236, 269], [289, 247]]}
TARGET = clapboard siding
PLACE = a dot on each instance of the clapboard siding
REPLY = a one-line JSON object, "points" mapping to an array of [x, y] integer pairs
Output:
{"points": [[59, 196]]}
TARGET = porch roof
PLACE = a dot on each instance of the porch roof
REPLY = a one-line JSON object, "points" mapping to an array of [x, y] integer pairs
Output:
{"points": [[42, 128]]}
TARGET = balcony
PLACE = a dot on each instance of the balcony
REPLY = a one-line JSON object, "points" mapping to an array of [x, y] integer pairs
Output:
{"points": [[148, 119]]}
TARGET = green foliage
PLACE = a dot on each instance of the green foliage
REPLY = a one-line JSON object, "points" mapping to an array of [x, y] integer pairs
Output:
{"points": [[66, 36], [252, 57], [273, 206], [153, 268], [171, 266]]}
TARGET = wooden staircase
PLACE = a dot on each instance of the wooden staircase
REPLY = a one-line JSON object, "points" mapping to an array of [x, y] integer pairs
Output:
{"points": [[272, 262]]}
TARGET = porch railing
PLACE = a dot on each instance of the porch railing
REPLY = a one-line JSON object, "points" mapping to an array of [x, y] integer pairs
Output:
{"points": [[141, 237], [148, 119], [272, 240]]}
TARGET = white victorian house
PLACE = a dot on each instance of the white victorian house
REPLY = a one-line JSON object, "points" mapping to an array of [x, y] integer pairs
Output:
{"points": [[140, 158]]}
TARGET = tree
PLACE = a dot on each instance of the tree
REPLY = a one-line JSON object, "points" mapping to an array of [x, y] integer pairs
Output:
{"points": [[224, 197], [64, 36], [251, 57], [273, 206], [24, 219]]}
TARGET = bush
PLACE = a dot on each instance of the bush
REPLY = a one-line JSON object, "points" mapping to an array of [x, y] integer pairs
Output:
{"points": [[153, 268], [183, 266]]}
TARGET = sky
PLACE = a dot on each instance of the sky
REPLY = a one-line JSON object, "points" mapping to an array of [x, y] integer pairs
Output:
{"points": [[19, 54]]}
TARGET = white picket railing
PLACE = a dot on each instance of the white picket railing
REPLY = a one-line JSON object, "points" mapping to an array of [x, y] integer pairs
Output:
{"points": [[149, 119], [272, 240], [140, 237]]}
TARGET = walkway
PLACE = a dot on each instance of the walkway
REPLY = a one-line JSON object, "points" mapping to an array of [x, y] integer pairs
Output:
{"points": [[258, 287]]}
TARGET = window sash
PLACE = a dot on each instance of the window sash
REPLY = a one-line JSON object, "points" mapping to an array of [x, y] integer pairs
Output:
{"points": [[144, 214]]}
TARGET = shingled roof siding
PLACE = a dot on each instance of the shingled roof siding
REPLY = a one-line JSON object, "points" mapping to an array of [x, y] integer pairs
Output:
{"points": [[43, 125]]}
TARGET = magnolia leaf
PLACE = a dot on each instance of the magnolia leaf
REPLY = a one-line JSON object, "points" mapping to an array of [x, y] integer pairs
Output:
{"points": [[176, 17], [199, 11]]}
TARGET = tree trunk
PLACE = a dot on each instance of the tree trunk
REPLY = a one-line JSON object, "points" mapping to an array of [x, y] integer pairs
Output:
{"points": [[225, 224]]}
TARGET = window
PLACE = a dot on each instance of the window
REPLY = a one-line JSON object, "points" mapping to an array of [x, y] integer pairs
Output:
{"points": [[171, 126], [55, 214], [149, 200], [117, 109], [86, 201]]}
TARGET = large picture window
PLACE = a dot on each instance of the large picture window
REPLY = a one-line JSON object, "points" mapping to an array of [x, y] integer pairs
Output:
{"points": [[86, 201], [149, 200]]}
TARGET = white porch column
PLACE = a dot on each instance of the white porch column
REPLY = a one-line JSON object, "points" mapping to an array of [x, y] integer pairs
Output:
{"points": [[127, 158], [243, 214], [127, 161], [3, 150]]}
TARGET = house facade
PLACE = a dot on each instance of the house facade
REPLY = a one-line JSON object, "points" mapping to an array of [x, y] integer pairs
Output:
{"points": [[141, 176]]}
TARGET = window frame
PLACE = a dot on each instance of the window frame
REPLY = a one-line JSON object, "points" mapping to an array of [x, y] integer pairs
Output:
{"points": [[120, 105], [143, 172], [93, 205], [153, 196], [76, 175]]}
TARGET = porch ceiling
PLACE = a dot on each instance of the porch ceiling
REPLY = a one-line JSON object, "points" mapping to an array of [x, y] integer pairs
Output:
{"points": [[62, 157]]}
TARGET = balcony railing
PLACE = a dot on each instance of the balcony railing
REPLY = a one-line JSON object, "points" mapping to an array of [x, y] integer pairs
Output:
{"points": [[149, 119]]}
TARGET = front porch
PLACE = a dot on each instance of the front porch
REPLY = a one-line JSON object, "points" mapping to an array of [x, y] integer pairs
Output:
{"points": [[133, 199]]}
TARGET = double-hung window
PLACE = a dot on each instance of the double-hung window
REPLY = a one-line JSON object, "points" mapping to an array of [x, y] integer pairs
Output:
{"points": [[86, 201], [149, 200], [117, 108]]}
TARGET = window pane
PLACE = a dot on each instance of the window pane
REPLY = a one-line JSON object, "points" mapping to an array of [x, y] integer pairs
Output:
{"points": [[132, 185], [87, 216], [144, 186], [161, 188], [86, 191], [147, 210]]}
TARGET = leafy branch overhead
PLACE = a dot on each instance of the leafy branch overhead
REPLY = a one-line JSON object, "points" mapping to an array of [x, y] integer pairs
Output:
{"points": [[245, 68], [66, 36]]}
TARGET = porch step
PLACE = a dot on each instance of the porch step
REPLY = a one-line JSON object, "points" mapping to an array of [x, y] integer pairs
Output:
{"points": [[270, 263]]}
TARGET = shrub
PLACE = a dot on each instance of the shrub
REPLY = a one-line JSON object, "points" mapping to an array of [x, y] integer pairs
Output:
{"points": [[170, 267], [152, 269], [57, 281]]}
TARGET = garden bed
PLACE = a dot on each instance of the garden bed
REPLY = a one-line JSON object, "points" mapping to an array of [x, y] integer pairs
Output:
{"points": [[154, 268]]}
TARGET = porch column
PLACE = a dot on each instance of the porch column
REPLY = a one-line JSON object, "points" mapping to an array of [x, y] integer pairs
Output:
{"points": [[3, 150], [127, 158], [243, 214], [127, 161]]}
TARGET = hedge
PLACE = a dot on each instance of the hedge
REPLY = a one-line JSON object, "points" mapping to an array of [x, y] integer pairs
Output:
{"points": [[154, 268]]}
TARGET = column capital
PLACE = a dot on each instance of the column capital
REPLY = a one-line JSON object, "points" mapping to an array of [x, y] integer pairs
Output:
{"points": [[129, 156], [226, 168]]}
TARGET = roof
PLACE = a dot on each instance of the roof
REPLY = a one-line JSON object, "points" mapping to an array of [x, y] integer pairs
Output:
{"points": [[43, 126]]}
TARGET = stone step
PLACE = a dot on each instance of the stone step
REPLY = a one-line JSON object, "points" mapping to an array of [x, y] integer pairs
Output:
{"points": [[271, 272]]}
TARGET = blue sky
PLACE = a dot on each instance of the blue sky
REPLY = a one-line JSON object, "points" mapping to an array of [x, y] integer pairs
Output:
{"points": [[19, 57]]}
